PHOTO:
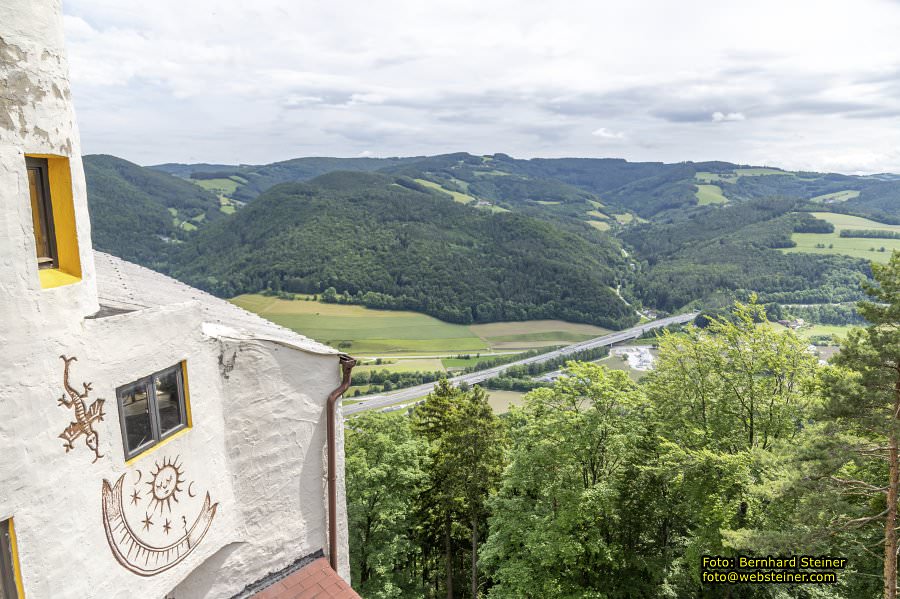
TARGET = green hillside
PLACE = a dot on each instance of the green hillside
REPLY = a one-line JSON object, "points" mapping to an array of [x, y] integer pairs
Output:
{"points": [[384, 245], [735, 251], [138, 213]]}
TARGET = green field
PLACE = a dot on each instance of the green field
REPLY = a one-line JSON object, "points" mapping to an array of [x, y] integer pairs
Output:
{"points": [[732, 177], [217, 186], [600, 225], [755, 172], [228, 206], [710, 194], [534, 333], [716, 177], [624, 219], [864, 248], [837, 196], [598, 214], [403, 365], [462, 198], [824, 329], [364, 332], [547, 203], [501, 400]]}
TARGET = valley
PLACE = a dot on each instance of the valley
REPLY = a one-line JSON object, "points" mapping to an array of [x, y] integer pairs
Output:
{"points": [[437, 262]]}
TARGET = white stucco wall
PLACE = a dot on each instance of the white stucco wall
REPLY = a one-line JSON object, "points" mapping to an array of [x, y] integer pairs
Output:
{"points": [[275, 441], [256, 445], [258, 438], [36, 117]]}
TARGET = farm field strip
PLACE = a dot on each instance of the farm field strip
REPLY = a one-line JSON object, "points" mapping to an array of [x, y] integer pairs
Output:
{"points": [[710, 194], [837, 196], [462, 198], [372, 333], [857, 247]]}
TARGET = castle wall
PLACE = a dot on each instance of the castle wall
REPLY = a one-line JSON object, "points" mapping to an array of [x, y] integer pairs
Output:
{"points": [[238, 494]]}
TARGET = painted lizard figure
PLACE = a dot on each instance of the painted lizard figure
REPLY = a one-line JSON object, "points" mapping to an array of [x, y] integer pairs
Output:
{"points": [[85, 417]]}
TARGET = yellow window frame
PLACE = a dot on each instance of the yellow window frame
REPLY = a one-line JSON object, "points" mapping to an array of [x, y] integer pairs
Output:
{"points": [[68, 270]]}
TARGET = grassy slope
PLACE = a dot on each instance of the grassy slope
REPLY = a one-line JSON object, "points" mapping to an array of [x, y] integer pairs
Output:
{"points": [[837, 196], [396, 332], [848, 246], [710, 194], [462, 198]]}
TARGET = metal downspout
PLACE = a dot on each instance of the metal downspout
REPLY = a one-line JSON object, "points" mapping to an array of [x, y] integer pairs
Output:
{"points": [[347, 363]]}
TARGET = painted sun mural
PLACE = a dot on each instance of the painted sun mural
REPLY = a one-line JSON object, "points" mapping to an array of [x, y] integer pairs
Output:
{"points": [[148, 531]]}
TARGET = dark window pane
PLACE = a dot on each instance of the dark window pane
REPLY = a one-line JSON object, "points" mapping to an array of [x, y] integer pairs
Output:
{"points": [[39, 216], [136, 412], [168, 400], [7, 577]]}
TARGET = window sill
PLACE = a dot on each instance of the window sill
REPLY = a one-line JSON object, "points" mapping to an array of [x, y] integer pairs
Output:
{"points": [[153, 448], [54, 277]]}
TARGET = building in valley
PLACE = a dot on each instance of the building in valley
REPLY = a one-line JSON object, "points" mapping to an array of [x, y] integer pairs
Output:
{"points": [[155, 441]]}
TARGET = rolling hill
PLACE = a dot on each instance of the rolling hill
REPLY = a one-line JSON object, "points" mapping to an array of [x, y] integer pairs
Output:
{"points": [[690, 231], [382, 244], [138, 213]]}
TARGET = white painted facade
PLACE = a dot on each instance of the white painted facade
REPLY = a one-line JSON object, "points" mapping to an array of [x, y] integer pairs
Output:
{"points": [[257, 392]]}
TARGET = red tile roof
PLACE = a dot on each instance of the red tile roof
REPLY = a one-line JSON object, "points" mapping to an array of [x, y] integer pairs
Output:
{"points": [[314, 581]]}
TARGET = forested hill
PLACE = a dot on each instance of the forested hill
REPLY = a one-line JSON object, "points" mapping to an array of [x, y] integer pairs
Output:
{"points": [[136, 213], [390, 244], [255, 179]]}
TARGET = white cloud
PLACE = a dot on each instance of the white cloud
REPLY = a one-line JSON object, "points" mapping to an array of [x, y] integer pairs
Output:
{"points": [[230, 81], [728, 116], [607, 134]]}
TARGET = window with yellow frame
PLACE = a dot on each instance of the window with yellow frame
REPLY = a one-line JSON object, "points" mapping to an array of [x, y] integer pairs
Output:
{"points": [[53, 219], [153, 408], [10, 574]]}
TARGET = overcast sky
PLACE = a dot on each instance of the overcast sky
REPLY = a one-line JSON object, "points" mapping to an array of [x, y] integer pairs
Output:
{"points": [[800, 84]]}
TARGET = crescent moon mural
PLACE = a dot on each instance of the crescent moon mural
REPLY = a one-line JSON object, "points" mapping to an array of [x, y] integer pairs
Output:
{"points": [[142, 555]]}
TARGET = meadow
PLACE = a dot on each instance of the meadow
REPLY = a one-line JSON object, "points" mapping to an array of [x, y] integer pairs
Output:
{"points": [[409, 340], [833, 243], [462, 198], [837, 196], [710, 194]]}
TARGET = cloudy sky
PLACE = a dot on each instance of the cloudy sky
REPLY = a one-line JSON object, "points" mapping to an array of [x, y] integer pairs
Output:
{"points": [[811, 84]]}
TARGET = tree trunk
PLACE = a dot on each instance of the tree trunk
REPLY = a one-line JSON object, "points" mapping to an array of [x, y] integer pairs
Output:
{"points": [[890, 520], [474, 560], [890, 523], [449, 556]]}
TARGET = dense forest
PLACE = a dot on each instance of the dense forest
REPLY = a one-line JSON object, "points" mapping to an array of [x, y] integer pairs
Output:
{"points": [[676, 251], [737, 444], [387, 246], [132, 209], [711, 250]]}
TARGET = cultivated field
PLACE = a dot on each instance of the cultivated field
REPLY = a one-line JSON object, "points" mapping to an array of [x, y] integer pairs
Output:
{"points": [[217, 186], [837, 196], [462, 198], [833, 243], [710, 194], [362, 331], [501, 400], [410, 337]]}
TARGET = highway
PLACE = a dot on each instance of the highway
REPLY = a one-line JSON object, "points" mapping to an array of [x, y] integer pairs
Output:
{"points": [[375, 402]]}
